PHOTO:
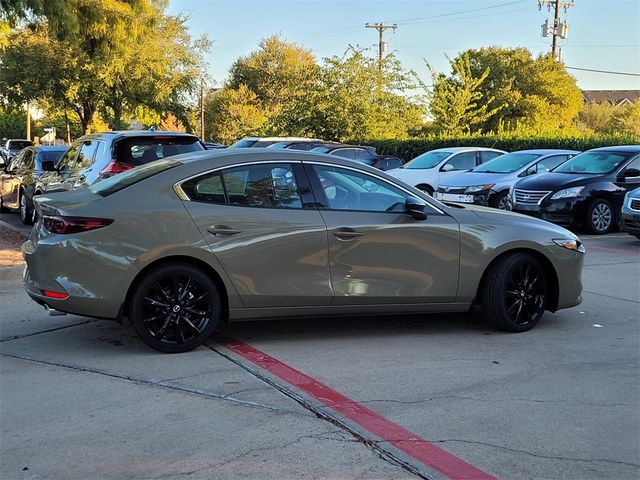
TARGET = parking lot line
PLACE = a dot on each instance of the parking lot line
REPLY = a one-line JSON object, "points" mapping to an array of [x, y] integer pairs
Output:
{"points": [[408, 442]]}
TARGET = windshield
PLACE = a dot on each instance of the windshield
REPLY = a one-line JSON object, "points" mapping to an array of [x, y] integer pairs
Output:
{"points": [[125, 179], [19, 144], [594, 162], [507, 163], [427, 160]]}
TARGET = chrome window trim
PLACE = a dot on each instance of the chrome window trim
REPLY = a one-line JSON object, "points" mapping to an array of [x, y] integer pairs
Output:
{"points": [[177, 187]]}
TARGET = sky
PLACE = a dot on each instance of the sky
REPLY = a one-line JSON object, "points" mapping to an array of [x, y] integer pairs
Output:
{"points": [[603, 35]]}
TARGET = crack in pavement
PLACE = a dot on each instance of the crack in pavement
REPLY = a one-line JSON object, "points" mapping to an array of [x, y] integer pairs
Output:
{"points": [[475, 399], [161, 384], [17, 337], [218, 465], [551, 457]]}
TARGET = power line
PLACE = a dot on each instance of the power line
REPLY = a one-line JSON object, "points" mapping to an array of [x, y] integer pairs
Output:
{"points": [[459, 12], [604, 71]]}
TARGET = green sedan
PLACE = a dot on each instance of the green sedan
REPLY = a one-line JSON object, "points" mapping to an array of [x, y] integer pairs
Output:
{"points": [[181, 246]]}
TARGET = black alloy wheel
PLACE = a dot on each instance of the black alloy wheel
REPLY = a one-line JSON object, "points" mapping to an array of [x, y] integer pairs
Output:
{"points": [[515, 293], [600, 217], [175, 308]]}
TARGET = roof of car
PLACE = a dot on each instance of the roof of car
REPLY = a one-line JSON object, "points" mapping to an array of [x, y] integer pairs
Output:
{"points": [[464, 149], [618, 148], [545, 151], [140, 133], [51, 148], [282, 139]]}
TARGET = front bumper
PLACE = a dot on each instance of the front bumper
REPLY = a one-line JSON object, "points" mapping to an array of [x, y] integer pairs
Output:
{"points": [[566, 212], [630, 221]]}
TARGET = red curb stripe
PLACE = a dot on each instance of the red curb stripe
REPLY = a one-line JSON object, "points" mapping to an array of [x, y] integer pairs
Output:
{"points": [[401, 438], [609, 249]]}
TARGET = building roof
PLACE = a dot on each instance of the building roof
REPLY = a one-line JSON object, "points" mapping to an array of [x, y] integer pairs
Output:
{"points": [[615, 97]]}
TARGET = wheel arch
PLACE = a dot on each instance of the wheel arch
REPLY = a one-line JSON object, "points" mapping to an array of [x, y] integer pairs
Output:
{"points": [[549, 271], [422, 186], [213, 274]]}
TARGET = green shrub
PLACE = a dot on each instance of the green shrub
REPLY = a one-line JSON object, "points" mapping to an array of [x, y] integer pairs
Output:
{"points": [[412, 147]]}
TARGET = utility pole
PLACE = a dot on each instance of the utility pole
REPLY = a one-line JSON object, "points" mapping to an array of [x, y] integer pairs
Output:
{"points": [[558, 29], [28, 123], [382, 46], [202, 109]]}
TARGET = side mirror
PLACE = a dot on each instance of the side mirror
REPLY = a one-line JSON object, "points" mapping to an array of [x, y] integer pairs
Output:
{"points": [[630, 173], [415, 208], [447, 167], [48, 166]]}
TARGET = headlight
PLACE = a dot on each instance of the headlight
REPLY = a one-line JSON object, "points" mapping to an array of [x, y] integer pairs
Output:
{"points": [[478, 188], [567, 193], [570, 244]]}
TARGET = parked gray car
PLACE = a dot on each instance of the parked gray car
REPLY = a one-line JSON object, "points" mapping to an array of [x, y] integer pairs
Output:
{"points": [[181, 245], [488, 184]]}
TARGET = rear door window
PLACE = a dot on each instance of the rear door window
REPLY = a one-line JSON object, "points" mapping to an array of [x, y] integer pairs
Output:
{"points": [[486, 156], [463, 161], [137, 151], [549, 163], [67, 161], [345, 153], [263, 185]]}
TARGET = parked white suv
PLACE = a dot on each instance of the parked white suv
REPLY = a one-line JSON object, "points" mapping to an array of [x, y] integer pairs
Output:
{"points": [[426, 171]]}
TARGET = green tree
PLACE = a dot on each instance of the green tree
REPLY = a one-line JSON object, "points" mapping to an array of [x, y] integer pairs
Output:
{"points": [[171, 124], [537, 93], [13, 123], [626, 120], [456, 102], [279, 74], [356, 99], [232, 113]]}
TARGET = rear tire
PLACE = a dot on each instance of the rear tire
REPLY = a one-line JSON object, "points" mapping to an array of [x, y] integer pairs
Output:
{"points": [[515, 293], [26, 212], [175, 308]]}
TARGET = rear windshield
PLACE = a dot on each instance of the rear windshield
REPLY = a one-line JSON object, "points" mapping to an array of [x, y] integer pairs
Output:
{"points": [[19, 144], [141, 150], [427, 160], [507, 163], [594, 162], [244, 143], [50, 155], [125, 179]]}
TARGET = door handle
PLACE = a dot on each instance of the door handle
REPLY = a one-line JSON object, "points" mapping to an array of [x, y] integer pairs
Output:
{"points": [[222, 230], [346, 234]]}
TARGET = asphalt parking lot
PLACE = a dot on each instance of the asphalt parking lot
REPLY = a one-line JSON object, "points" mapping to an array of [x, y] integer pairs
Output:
{"points": [[438, 396]]}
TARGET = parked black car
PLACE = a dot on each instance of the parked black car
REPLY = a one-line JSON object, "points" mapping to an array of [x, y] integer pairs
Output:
{"points": [[100, 155], [11, 148], [361, 154], [587, 190], [18, 178]]}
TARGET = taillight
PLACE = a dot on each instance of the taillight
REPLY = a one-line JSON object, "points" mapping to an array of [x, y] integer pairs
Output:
{"points": [[56, 295], [115, 167], [62, 225]]}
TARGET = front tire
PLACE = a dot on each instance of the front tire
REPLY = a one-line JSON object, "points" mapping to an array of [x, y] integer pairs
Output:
{"points": [[515, 293], [175, 308], [426, 189], [601, 217], [499, 200]]}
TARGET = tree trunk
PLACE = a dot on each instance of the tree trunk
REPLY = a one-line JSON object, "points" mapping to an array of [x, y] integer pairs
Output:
{"points": [[86, 116], [67, 127]]}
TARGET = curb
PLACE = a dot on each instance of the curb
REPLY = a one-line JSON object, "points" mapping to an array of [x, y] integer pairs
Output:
{"points": [[13, 228]]}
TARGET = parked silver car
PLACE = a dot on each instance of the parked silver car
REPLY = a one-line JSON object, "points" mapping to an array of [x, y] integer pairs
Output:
{"points": [[183, 244], [489, 183]]}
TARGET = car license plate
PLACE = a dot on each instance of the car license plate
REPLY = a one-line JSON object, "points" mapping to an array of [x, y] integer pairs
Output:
{"points": [[452, 197]]}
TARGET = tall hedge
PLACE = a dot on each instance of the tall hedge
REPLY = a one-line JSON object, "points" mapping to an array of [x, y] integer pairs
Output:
{"points": [[412, 147]]}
